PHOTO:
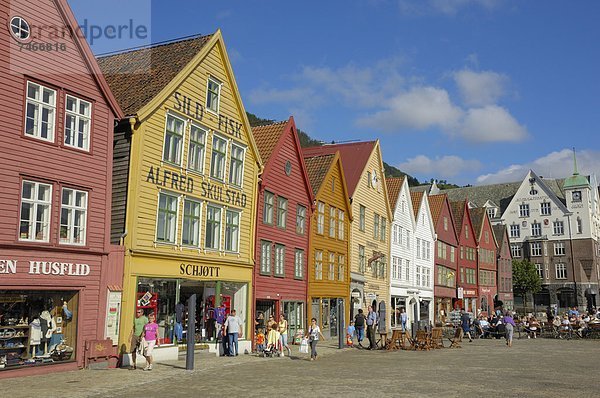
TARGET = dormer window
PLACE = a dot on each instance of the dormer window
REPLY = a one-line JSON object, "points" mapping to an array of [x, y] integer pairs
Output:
{"points": [[491, 211]]}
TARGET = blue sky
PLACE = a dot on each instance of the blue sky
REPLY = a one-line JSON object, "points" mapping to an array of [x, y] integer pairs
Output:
{"points": [[472, 91]]}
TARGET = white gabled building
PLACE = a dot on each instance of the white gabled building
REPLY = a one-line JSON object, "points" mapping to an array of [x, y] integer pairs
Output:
{"points": [[411, 276]]}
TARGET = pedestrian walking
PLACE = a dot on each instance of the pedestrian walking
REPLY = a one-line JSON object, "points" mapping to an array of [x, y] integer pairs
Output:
{"points": [[403, 319], [465, 323], [350, 334], [314, 333], [151, 339], [359, 324], [283, 334], [233, 327], [371, 324], [509, 323], [137, 332]]}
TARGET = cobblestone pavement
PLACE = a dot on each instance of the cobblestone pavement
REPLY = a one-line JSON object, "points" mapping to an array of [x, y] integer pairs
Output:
{"points": [[531, 368]]}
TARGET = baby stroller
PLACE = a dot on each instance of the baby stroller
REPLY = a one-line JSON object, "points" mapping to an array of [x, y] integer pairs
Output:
{"points": [[272, 350]]}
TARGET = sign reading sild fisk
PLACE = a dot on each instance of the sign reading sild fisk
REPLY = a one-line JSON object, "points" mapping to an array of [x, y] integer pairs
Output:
{"points": [[174, 180], [195, 109], [46, 268]]}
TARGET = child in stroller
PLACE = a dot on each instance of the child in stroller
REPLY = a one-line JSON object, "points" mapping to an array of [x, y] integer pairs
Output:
{"points": [[273, 343]]}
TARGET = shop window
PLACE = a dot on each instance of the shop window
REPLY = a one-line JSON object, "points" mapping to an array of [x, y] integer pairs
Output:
{"points": [[73, 216], [37, 328], [282, 204], [232, 231], [236, 165], [213, 93], [190, 236], [213, 227], [174, 128], [78, 114], [40, 112], [36, 203], [300, 219], [217, 160], [197, 148], [167, 218]]}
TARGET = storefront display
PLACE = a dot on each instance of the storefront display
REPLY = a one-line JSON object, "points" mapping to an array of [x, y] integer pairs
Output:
{"points": [[167, 299], [398, 303], [37, 327]]}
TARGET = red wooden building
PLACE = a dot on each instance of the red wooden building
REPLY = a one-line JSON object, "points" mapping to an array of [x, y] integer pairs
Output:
{"points": [[283, 212], [486, 259], [59, 275], [446, 257], [467, 291], [504, 256]]}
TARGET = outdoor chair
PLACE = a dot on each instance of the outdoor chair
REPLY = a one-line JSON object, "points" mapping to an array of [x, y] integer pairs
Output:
{"points": [[406, 342], [396, 341], [422, 340], [436, 338], [455, 341]]}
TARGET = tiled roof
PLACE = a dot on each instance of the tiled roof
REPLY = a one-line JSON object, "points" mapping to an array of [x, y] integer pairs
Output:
{"points": [[266, 138], [436, 203], [317, 168], [421, 188], [477, 217], [499, 194], [354, 156], [458, 211], [137, 76], [416, 198], [499, 231], [394, 184]]}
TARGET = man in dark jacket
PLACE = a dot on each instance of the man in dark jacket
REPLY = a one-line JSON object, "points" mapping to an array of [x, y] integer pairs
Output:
{"points": [[359, 324]]}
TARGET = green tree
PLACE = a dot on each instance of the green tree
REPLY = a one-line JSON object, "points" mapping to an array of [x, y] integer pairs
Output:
{"points": [[525, 279]]}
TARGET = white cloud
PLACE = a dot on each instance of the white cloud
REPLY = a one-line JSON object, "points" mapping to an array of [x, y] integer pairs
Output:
{"points": [[480, 88], [419, 108], [492, 124], [558, 164], [444, 167]]}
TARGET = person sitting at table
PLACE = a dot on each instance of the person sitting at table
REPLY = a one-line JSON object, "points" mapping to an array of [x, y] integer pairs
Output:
{"points": [[534, 327], [484, 325]]}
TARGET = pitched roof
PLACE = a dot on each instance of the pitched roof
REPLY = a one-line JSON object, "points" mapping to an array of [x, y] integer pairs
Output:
{"points": [[354, 156], [421, 188], [416, 198], [137, 76], [394, 185], [477, 218], [499, 194], [317, 168], [458, 211], [267, 136], [499, 231], [436, 203]]}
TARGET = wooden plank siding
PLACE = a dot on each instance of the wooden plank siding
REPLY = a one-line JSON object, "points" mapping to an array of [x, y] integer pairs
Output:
{"points": [[69, 72]]}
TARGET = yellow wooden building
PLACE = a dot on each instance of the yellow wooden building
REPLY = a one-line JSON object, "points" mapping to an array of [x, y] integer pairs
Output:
{"points": [[370, 231], [328, 262], [185, 185]]}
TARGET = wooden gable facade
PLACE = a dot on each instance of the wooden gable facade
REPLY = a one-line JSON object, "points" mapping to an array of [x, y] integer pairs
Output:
{"points": [[487, 248], [467, 258]]}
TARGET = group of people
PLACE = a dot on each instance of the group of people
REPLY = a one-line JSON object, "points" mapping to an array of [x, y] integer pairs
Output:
{"points": [[500, 323], [276, 338], [230, 332], [357, 328], [573, 321], [144, 337]]}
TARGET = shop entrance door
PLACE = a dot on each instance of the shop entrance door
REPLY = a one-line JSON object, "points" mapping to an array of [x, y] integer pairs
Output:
{"points": [[294, 311], [268, 308]]}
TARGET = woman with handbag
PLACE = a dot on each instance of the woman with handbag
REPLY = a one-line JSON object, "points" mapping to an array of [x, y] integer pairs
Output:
{"points": [[314, 332]]}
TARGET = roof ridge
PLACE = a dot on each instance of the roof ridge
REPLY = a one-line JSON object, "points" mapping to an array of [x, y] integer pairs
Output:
{"points": [[152, 45], [271, 123]]}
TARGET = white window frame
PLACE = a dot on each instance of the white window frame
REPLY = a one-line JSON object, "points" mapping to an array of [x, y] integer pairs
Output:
{"points": [[299, 264], [559, 249], [177, 151], [515, 231], [223, 161], [558, 227], [40, 105], [194, 144], [341, 267], [561, 270], [362, 259], [546, 208], [220, 223], [341, 217], [362, 216], [78, 118], [268, 207], [235, 237], [174, 221], [266, 249], [198, 219], [536, 229], [516, 250], [238, 162], [32, 221], [219, 85], [535, 248], [318, 265], [22, 32], [320, 218], [279, 269], [524, 210], [72, 208], [300, 219], [331, 267], [282, 210], [332, 221]]}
